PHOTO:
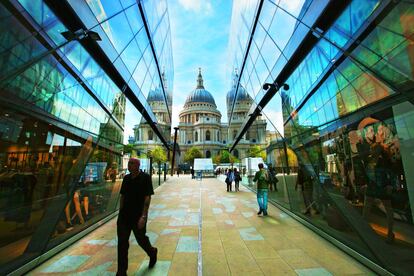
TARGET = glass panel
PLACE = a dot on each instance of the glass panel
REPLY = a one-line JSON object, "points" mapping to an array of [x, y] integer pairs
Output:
{"points": [[282, 28], [104, 9], [119, 31]]}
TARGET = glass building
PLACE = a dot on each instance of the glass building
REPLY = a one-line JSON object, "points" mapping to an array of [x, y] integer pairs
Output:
{"points": [[75, 76], [321, 90], [345, 117]]}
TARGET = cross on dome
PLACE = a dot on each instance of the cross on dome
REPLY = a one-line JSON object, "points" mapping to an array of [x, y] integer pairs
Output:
{"points": [[200, 80]]}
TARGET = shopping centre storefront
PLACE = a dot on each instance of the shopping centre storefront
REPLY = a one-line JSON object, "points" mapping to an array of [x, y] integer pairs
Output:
{"points": [[345, 152]]}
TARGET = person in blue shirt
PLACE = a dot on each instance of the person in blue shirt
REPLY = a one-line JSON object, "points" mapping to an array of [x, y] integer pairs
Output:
{"points": [[229, 179]]}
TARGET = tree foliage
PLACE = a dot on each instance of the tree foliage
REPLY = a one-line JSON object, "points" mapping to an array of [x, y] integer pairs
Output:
{"points": [[257, 151], [158, 155], [128, 148], [191, 154], [217, 159], [292, 159], [233, 159], [225, 157]]}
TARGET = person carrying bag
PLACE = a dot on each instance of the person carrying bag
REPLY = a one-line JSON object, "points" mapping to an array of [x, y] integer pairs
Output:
{"points": [[229, 179]]}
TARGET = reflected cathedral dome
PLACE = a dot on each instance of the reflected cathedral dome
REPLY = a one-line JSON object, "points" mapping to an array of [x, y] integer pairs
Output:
{"points": [[156, 95], [242, 94]]}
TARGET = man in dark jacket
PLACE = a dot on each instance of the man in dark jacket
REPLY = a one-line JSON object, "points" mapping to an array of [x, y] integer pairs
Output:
{"points": [[237, 179], [136, 194]]}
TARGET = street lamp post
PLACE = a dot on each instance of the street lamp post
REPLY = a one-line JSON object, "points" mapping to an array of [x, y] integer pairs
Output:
{"points": [[70, 36], [174, 147], [203, 133]]}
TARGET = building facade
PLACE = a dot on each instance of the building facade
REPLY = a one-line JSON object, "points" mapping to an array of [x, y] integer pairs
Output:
{"points": [[200, 124], [345, 116], [257, 134], [144, 139]]}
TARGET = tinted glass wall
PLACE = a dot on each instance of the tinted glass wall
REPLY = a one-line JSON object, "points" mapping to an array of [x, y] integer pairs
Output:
{"points": [[345, 126], [64, 117]]}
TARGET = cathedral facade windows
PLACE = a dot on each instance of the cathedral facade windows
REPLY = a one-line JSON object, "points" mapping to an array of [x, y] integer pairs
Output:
{"points": [[150, 135], [208, 137]]}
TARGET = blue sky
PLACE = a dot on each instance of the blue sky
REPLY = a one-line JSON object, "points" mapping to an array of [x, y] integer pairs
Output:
{"points": [[200, 33]]}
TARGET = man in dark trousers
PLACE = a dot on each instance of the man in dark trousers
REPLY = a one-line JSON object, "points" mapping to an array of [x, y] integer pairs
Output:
{"points": [[136, 194]]}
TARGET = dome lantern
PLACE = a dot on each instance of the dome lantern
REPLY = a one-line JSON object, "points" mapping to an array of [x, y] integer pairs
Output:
{"points": [[200, 94], [200, 80]]}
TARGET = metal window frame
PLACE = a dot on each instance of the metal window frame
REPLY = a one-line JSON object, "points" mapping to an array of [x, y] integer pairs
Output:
{"points": [[72, 21], [330, 13]]}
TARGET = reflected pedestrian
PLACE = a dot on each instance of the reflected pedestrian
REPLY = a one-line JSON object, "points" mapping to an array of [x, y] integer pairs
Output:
{"points": [[273, 178], [305, 182], [378, 181]]}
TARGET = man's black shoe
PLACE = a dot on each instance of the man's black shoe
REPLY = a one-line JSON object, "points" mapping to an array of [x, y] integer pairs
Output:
{"points": [[260, 212], [153, 258], [264, 213]]}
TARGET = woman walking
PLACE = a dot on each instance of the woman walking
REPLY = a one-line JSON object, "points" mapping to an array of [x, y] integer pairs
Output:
{"points": [[229, 179]]}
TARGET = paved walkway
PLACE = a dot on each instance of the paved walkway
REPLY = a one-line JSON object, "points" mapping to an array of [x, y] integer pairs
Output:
{"points": [[235, 241]]}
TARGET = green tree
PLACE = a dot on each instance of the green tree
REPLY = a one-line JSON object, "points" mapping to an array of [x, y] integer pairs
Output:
{"points": [[226, 157], [292, 159], [128, 148], [134, 154], [191, 154], [158, 155], [217, 159], [257, 151], [233, 159]]}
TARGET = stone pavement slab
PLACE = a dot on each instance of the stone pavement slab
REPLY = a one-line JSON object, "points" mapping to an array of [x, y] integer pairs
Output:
{"points": [[234, 239]]}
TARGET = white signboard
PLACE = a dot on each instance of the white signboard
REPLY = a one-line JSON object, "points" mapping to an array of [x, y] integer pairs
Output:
{"points": [[203, 164], [252, 164], [145, 165]]}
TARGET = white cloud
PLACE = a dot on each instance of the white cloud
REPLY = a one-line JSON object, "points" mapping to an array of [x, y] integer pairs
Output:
{"points": [[197, 6], [293, 6]]}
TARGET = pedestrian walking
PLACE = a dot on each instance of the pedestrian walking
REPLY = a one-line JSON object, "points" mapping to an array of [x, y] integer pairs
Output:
{"points": [[136, 191], [262, 179], [229, 179], [237, 179]]}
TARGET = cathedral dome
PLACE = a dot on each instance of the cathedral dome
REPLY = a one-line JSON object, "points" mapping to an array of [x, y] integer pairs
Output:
{"points": [[200, 94]]}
